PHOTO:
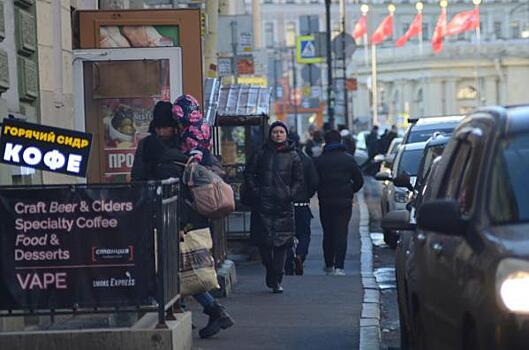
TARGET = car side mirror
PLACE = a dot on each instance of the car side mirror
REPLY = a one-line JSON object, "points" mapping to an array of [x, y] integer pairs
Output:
{"points": [[443, 216], [383, 176], [403, 180], [397, 220], [379, 158]]}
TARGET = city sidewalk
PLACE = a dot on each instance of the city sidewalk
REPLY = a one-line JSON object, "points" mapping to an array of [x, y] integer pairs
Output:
{"points": [[315, 312]]}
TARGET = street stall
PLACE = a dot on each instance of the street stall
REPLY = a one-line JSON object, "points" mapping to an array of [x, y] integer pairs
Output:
{"points": [[240, 129]]}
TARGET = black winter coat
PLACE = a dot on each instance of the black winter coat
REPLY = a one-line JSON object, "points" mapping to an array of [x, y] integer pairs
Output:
{"points": [[310, 179], [273, 178], [340, 177], [156, 160]]}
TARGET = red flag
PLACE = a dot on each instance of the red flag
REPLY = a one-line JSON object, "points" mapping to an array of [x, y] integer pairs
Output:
{"points": [[439, 32], [384, 30], [360, 28], [414, 29], [463, 21]]}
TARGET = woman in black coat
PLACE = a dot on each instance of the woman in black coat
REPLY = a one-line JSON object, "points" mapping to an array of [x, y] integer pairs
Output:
{"points": [[273, 178]]}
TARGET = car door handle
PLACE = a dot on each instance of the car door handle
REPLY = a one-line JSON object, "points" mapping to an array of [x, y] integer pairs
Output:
{"points": [[437, 248]]}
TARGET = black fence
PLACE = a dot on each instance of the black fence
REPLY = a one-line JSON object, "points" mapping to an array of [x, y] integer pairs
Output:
{"points": [[97, 248]]}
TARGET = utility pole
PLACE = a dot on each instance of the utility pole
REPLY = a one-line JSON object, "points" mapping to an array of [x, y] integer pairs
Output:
{"points": [[294, 86], [234, 45], [330, 95], [344, 65]]}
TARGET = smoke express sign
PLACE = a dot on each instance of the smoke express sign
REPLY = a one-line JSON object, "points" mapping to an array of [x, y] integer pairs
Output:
{"points": [[45, 148], [76, 248]]}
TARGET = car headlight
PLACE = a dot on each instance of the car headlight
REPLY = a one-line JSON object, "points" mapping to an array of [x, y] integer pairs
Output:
{"points": [[512, 284], [401, 196]]}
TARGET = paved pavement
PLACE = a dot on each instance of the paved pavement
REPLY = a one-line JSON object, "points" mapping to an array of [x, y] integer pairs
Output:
{"points": [[315, 312]]}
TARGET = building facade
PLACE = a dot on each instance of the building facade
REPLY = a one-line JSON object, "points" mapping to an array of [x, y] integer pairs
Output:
{"points": [[456, 80]]}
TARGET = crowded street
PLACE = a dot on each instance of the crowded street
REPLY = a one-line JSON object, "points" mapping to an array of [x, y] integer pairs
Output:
{"points": [[264, 174]]}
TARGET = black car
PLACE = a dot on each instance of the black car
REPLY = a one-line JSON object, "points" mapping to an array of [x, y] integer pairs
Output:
{"points": [[467, 265]]}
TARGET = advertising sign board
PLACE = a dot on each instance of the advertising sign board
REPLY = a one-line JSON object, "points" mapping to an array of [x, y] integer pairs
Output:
{"points": [[44, 147], [66, 247]]}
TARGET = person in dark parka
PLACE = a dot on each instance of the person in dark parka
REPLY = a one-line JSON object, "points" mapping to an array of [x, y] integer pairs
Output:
{"points": [[302, 212], [340, 178], [273, 177]]}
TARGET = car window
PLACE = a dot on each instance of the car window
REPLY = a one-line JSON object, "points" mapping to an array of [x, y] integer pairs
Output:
{"points": [[453, 177], [509, 200], [409, 162], [425, 134], [426, 162]]}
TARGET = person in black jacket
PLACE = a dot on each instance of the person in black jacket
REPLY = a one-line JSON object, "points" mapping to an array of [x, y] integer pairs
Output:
{"points": [[161, 155], [340, 178], [302, 212], [273, 177]]}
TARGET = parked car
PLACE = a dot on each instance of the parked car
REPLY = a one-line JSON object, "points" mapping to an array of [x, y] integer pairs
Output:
{"points": [[386, 160], [467, 266], [420, 130], [428, 167], [392, 197]]}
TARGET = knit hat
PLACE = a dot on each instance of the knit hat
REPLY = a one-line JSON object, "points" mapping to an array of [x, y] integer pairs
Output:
{"points": [[275, 124], [162, 115]]}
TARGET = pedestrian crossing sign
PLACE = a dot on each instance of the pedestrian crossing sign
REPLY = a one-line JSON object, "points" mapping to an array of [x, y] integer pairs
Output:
{"points": [[306, 50]]}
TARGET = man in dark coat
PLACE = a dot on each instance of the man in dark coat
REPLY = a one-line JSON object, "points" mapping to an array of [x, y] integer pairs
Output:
{"points": [[302, 212], [273, 177], [340, 179]]}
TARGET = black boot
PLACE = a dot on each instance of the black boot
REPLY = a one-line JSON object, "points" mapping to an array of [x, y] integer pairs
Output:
{"points": [[269, 279], [218, 319]]}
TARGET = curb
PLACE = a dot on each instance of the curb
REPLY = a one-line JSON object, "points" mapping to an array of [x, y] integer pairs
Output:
{"points": [[370, 317]]}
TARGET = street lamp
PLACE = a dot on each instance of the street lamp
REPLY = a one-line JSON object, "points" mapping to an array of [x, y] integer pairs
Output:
{"points": [[476, 2], [419, 6], [443, 3], [391, 8], [364, 9]]}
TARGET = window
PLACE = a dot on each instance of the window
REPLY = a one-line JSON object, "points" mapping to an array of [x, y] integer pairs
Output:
{"points": [[498, 30], [453, 178], [269, 34], [467, 93], [509, 201], [515, 26]]}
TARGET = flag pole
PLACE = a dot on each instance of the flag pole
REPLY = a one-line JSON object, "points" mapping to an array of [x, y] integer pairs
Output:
{"points": [[419, 6], [374, 88], [364, 9], [478, 61]]}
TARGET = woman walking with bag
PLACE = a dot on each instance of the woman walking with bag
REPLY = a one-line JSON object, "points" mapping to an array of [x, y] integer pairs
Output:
{"points": [[273, 177], [160, 156]]}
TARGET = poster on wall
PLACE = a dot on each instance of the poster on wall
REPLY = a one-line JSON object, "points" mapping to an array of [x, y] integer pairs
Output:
{"points": [[138, 36], [80, 247], [44, 147]]}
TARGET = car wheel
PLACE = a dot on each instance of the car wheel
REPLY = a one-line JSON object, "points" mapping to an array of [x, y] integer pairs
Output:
{"points": [[390, 238]]}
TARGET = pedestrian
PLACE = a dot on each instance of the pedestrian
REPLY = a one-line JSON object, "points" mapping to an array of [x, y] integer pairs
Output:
{"points": [[302, 213], [372, 142], [314, 145], [273, 178], [159, 156], [347, 139], [340, 178]]}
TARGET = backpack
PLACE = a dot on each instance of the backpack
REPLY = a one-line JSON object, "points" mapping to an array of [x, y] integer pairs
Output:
{"points": [[212, 197]]}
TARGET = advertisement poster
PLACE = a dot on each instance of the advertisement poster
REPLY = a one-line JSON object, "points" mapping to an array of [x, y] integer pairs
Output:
{"points": [[44, 147], [138, 36], [86, 247]]}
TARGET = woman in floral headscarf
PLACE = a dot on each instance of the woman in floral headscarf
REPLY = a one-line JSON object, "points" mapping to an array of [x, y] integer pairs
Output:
{"points": [[195, 140], [195, 134]]}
